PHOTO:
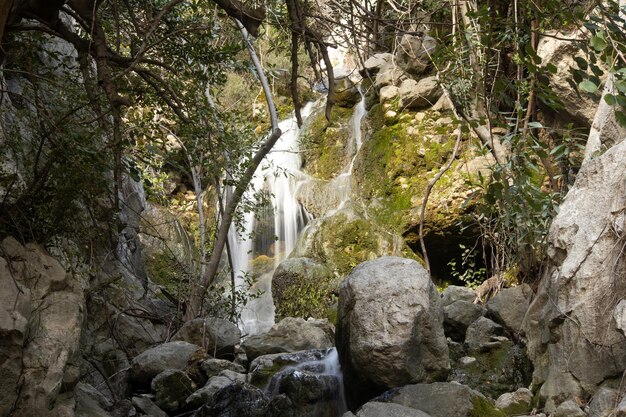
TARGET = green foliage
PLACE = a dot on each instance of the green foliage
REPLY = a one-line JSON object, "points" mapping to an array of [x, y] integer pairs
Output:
{"points": [[604, 51], [468, 271]]}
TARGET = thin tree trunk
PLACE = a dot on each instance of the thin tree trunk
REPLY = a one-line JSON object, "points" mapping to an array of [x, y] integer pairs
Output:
{"points": [[194, 306]]}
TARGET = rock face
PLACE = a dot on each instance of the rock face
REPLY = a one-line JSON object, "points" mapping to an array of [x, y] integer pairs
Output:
{"points": [[390, 326], [289, 335], [573, 338], [377, 409], [41, 315]]}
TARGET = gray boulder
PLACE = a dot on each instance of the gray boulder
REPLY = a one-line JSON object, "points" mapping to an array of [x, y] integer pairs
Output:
{"points": [[443, 399], [508, 307], [171, 387], [390, 326], [212, 367], [413, 53], [377, 409], [374, 63], [172, 355], [148, 407], [263, 368], [569, 409], [289, 335], [418, 95], [388, 93], [514, 403], [389, 74], [201, 396], [483, 335], [454, 293], [241, 400], [571, 322], [603, 402], [217, 336], [458, 316]]}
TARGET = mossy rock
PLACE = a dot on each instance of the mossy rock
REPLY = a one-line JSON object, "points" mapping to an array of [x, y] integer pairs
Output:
{"points": [[497, 371], [346, 239], [304, 288], [325, 143]]}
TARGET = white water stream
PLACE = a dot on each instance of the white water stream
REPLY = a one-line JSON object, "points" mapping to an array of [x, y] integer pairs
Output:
{"points": [[270, 237]]}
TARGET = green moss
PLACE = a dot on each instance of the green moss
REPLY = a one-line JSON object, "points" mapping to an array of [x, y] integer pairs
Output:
{"points": [[484, 408], [164, 269], [324, 143]]}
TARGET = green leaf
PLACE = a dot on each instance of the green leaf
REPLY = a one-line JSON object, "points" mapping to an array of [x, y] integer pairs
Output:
{"points": [[588, 86], [610, 99], [621, 86], [620, 116], [551, 68], [581, 62], [598, 43]]}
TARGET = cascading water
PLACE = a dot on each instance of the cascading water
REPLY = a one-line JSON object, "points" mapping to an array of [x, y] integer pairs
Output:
{"points": [[270, 237], [318, 380], [342, 184]]}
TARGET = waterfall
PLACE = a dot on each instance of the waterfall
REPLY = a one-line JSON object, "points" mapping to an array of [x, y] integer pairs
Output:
{"points": [[270, 236]]}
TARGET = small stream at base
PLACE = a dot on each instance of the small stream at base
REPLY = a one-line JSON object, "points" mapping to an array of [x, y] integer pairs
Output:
{"points": [[316, 383]]}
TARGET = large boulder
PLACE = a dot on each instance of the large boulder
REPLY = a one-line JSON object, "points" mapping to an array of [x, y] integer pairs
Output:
{"points": [[303, 287], [264, 368], [454, 293], [378, 409], [574, 340], [413, 54], [443, 399], [373, 64], [241, 400], [217, 336], [390, 326], [484, 334], [171, 355], [289, 335], [508, 307], [171, 387], [417, 95], [458, 316]]}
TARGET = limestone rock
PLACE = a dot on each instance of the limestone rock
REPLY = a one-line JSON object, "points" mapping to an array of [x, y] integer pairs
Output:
{"points": [[172, 355], [508, 307], [569, 409], [212, 367], [558, 48], [416, 95], [390, 325], [148, 407], [201, 396], [517, 402], [374, 63], [218, 336], [263, 368], [603, 402], [389, 74], [241, 400], [171, 387], [482, 335], [388, 93], [39, 299], [377, 409], [346, 93], [301, 287], [458, 316], [289, 335], [570, 322], [413, 53], [442, 399], [454, 293]]}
